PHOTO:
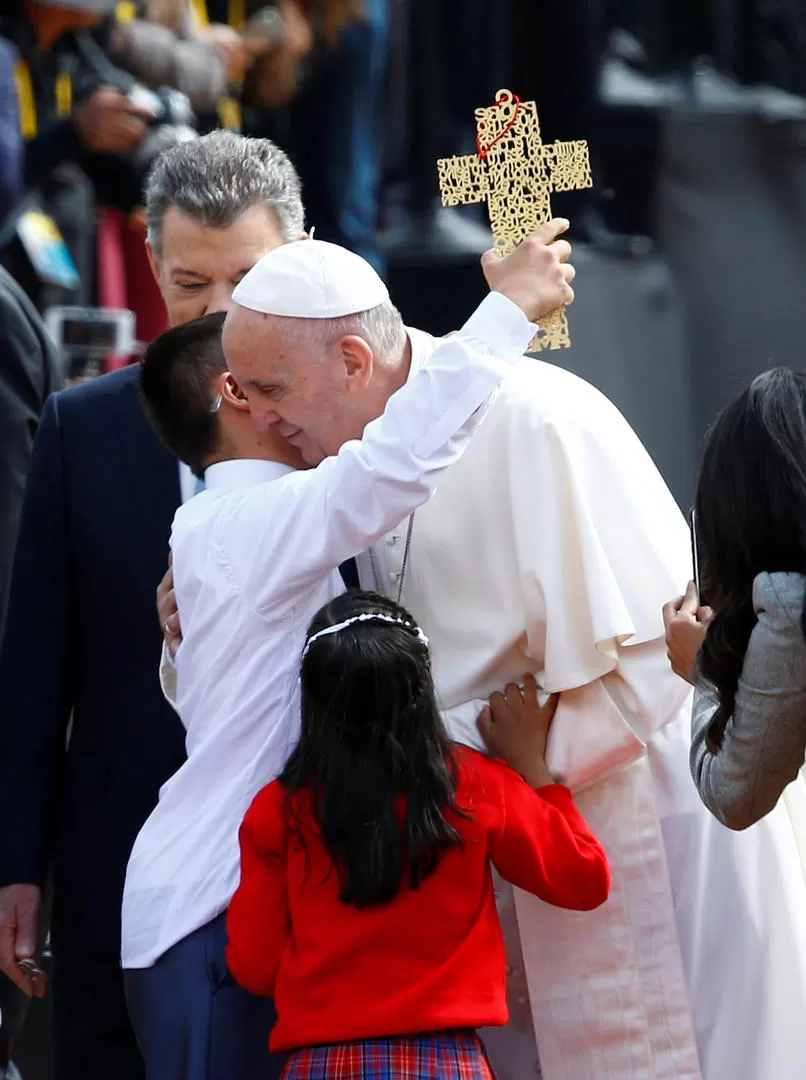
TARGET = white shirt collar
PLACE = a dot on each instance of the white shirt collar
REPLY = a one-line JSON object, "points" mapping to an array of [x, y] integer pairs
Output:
{"points": [[248, 471], [245, 472], [422, 346]]}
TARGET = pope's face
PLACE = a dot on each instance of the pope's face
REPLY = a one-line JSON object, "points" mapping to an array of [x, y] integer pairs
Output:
{"points": [[200, 265], [311, 398]]}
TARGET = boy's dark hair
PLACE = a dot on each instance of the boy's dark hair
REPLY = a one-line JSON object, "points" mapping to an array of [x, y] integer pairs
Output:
{"points": [[372, 739], [177, 376]]}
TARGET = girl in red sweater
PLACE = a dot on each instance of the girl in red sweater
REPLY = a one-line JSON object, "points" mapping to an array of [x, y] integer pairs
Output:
{"points": [[366, 904]]}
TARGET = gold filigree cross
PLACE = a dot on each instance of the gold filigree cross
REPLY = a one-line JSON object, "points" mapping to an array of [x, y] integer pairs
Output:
{"points": [[515, 174]]}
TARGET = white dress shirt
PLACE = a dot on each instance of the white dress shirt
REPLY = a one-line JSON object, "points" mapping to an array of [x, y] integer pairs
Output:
{"points": [[255, 557]]}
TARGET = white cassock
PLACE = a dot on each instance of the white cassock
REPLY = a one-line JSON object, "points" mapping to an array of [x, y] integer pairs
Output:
{"points": [[551, 547]]}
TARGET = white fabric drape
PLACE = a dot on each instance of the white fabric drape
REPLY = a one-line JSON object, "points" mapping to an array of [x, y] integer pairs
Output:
{"points": [[551, 547]]}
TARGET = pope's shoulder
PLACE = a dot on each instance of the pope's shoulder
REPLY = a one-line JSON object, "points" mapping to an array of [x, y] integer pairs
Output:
{"points": [[543, 393]]}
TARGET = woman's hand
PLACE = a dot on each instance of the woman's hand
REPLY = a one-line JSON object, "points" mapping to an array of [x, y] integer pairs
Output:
{"points": [[686, 625], [515, 727]]}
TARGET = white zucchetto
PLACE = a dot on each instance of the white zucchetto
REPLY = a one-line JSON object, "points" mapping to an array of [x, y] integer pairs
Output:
{"points": [[310, 279]]}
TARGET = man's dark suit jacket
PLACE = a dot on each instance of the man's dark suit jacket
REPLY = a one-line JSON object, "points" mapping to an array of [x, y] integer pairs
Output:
{"points": [[80, 649], [29, 371]]}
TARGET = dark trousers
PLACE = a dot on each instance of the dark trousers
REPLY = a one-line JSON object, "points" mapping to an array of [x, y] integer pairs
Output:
{"points": [[92, 1034], [193, 1021]]}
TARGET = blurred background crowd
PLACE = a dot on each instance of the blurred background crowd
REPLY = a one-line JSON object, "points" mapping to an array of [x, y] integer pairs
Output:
{"points": [[691, 247], [364, 95]]}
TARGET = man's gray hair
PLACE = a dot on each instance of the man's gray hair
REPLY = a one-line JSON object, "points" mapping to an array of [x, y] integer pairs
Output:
{"points": [[217, 178], [381, 327]]}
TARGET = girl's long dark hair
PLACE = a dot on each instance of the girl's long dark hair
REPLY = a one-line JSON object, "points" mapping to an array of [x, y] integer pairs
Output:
{"points": [[371, 732], [751, 517]]}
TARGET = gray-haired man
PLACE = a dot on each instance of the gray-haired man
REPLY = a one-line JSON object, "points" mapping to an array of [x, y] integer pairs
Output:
{"points": [[101, 496]]}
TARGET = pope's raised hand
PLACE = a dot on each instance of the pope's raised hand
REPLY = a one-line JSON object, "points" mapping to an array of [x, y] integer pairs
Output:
{"points": [[537, 275]]}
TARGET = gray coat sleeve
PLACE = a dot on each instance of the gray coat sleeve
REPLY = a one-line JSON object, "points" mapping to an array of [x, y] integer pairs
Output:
{"points": [[765, 740]]}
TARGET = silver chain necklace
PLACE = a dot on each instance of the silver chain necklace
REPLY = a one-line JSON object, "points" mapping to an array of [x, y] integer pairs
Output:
{"points": [[377, 581]]}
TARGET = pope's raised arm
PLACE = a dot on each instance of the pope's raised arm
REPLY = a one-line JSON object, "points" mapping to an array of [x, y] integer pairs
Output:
{"points": [[279, 536], [308, 523]]}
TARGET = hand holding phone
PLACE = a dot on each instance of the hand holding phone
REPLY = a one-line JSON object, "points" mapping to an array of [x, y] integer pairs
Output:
{"points": [[92, 332], [695, 557], [686, 625]]}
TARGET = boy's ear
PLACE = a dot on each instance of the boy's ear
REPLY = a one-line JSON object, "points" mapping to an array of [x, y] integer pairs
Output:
{"points": [[231, 392]]}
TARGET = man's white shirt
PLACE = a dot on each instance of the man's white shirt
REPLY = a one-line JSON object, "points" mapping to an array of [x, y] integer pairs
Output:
{"points": [[188, 483], [255, 557]]}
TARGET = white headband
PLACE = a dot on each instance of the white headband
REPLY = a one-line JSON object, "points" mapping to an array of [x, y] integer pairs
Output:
{"points": [[366, 616]]}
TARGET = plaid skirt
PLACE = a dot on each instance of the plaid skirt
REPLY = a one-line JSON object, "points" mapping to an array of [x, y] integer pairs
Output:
{"points": [[446, 1055]]}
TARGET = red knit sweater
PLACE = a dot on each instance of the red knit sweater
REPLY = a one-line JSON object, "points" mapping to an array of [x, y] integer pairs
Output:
{"points": [[431, 959]]}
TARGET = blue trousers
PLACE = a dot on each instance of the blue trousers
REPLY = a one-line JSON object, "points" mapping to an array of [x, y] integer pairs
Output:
{"points": [[193, 1021]]}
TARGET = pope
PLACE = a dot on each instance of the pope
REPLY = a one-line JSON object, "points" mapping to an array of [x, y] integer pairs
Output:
{"points": [[551, 548]]}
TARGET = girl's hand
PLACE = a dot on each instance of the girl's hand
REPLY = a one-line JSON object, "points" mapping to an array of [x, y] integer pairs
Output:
{"points": [[515, 727]]}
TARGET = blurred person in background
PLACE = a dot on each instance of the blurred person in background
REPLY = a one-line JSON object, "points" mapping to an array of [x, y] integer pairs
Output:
{"points": [[314, 72], [10, 142], [160, 50], [83, 61], [746, 654], [29, 371], [264, 46], [75, 130], [321, 87], [30, 367], [259, 46], [80, 637], [564, 83], [251, 55], [335, 136]]}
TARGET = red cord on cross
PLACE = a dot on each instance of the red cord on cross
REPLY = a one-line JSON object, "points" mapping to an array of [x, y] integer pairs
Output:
{"points": [[483, 151]]}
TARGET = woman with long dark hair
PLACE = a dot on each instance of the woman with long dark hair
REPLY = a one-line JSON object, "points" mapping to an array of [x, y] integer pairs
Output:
{"points": [[749, 719], [366, 902]]}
